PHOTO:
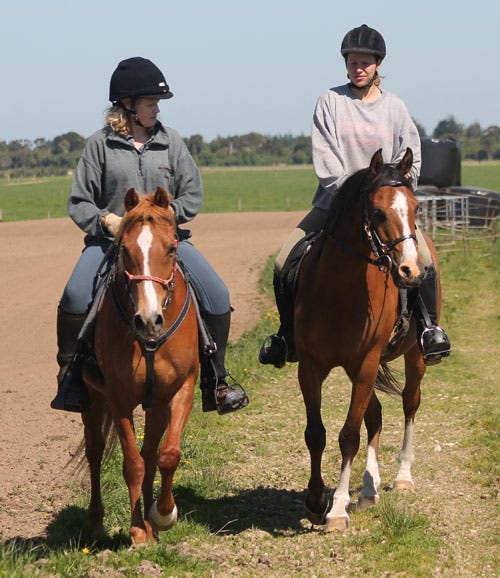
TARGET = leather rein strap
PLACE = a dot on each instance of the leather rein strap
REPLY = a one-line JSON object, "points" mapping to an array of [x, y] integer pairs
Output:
{"points": [[151, 345], [380, 249]]}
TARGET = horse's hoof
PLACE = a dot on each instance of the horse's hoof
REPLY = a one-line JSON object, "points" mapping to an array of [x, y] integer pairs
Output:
{"points": [[162, 522], [318, 518], [314, 518], [404, 485], [138, 537], [336, 523], [365, 502]]}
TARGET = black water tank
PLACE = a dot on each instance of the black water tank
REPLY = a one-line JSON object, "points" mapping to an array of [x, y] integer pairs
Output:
{"points": [[441, 163]]}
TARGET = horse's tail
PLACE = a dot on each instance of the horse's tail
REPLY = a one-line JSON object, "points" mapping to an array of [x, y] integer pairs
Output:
{"points": [[387, 381], [109, 435]]}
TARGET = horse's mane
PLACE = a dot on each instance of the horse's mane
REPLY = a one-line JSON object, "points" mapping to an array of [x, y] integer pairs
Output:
{"points": [[347, 196], [357, 186]]}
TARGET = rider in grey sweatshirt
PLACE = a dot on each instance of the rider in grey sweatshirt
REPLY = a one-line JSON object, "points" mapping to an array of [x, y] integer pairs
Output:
{"points": [[347, 131]]}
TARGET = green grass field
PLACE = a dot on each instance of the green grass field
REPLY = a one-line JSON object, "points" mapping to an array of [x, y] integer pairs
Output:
{"points": [[226, 190]]}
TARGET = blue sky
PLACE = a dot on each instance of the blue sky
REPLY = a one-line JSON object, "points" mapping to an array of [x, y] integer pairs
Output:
{"points": [[237, 66]]}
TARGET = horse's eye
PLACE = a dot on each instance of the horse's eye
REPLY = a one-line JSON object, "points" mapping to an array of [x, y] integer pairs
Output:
{"points": [[379, 216], [171, 250]]}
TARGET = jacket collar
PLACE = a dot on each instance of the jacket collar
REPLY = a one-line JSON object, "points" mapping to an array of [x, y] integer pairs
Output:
{"points": [[159, 136]]}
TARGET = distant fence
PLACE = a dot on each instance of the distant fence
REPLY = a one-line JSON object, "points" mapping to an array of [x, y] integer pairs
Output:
{"points": [[453, 219]]}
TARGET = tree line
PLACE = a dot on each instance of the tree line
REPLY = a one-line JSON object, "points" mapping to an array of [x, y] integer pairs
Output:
{"points": [[24, 158]]}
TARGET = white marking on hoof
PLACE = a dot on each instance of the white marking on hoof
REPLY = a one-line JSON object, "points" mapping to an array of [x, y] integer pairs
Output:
{"points": [[336, 523], [162, 522], [402, 485]]}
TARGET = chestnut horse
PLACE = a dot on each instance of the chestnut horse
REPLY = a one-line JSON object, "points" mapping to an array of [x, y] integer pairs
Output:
{"points": [[146, 347], [345, 311]]}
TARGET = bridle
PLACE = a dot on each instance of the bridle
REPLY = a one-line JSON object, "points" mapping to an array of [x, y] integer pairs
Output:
{"points": [[152, 344], [383, 260], [168, 283], [381, 250]]}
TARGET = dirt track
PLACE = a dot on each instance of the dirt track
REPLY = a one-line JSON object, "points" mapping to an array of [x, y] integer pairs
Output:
{"points": [[36, 260]]}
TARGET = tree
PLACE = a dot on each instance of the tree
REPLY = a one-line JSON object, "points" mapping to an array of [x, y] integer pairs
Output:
{"points": [[448, 128], [473, 131]]}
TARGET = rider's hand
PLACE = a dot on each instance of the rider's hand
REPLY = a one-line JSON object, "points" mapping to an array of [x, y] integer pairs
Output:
{"points": [[111, 223]]}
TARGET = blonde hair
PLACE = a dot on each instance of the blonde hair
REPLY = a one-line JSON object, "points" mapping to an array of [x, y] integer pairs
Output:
{"points": [[118, 119]]}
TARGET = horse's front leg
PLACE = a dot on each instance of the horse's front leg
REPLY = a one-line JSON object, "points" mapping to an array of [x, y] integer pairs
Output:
{"points": [[133, 473], [311, 380], [414, 371], [163, 512], [371, 477], [349, 438], [95, 443], [156, 423]]}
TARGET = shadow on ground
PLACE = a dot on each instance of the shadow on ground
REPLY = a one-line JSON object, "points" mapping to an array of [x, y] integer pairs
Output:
{"points": [[277, 512]]}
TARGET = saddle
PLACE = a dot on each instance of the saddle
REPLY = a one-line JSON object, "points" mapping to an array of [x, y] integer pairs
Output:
{"points": [[104, 279], [285, 287]]}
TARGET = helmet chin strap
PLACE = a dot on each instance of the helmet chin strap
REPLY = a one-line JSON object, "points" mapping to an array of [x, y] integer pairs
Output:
{"points": [[132, 112]]}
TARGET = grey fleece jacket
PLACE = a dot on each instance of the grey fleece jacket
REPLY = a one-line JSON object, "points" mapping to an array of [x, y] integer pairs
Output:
{"points": [[346, 132], [110, 165]]}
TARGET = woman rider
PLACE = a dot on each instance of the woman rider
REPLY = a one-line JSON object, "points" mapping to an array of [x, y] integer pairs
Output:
{"points": [[135, 150], [351, 122]]}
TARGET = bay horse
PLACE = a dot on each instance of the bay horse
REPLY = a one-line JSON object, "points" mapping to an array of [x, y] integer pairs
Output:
{"points": [[146, 347], [345, 311]]}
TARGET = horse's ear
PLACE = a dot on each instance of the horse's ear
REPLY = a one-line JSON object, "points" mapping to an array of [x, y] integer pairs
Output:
{"points": [[406, 162], [376, 164], [131, 199], [161, 198]]}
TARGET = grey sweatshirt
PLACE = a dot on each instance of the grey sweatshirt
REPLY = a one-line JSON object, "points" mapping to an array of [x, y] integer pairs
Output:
{"points": [[110, 165], [346, 132]]}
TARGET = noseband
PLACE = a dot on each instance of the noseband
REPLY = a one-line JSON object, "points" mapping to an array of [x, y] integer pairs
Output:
{"points": [[381, 250], [168, 283]]}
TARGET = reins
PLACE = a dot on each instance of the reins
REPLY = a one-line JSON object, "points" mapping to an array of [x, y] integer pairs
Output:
{"points": [[383, 260], [151, 345]]}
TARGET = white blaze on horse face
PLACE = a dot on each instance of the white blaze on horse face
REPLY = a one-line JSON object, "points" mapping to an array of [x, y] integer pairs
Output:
{"points": [[400, 207], [145, 240]]}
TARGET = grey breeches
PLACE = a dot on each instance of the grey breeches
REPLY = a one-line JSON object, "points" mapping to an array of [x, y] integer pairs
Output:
{"points": [[212, 291]]}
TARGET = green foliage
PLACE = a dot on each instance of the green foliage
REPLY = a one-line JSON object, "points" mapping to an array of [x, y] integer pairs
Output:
{"points": [[26, 159], [402, 542], [226, 190]]}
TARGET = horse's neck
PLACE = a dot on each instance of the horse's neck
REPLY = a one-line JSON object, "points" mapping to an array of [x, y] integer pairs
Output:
{"points": [[348, 230]]}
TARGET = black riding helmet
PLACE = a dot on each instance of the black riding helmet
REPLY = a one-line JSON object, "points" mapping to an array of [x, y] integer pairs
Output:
{"points": [[364, 40], [138, 77]]}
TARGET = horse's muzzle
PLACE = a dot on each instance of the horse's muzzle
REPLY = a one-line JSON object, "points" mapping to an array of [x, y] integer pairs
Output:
{"points": [[148, 327]]}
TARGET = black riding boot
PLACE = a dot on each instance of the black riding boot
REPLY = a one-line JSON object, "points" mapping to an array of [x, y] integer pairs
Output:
{"points": [[279, 347], [217, 393], [433, 340], [72, 394]]}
